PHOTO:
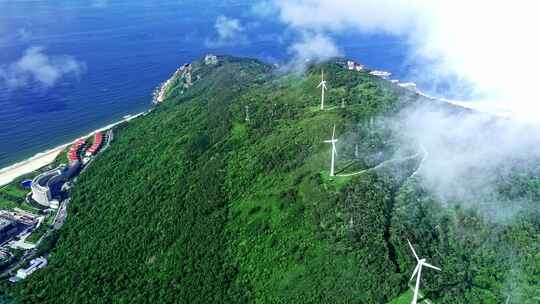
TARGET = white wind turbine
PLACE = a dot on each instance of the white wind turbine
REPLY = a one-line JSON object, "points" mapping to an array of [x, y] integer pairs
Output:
{"points": [[333, 141], [323, 87], [417, 271]]}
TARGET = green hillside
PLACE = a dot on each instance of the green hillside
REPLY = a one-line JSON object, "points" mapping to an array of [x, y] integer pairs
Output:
{"points": [[194, 204]]}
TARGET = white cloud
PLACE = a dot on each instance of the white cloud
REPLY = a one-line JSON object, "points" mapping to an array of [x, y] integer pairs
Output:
{"points": [[338, 15], [35, 66], [489, 45], [315, 47], [229, 32]]}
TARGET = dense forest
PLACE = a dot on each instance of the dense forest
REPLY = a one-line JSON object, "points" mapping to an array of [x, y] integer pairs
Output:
{"points": [[194, 203]]}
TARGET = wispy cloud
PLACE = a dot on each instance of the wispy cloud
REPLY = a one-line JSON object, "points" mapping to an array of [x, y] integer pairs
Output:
{"points": [[36, 67], [313, 47], [229, 32], [24, 34], [99, 3]]}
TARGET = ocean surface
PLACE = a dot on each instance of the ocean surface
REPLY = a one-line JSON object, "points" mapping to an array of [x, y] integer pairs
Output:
{"points": [[123, 50]]}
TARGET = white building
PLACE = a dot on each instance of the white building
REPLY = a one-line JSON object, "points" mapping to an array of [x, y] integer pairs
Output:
{"points": [[54, 204], [409, 85], [381, 74], [210, 59], [35, 264], [350, 64], [41, 192]]}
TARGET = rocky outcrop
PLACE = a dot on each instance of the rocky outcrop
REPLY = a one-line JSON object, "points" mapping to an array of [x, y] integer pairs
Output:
{"points": [[183, 74]]}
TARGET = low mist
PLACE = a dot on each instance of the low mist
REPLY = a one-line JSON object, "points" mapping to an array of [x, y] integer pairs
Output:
{"points": [[471, 156]]}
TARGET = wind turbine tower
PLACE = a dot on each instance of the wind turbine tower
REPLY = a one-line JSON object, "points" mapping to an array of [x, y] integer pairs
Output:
{"points": [[323, 87], [418, 271], [247, 113], [333, 141]]}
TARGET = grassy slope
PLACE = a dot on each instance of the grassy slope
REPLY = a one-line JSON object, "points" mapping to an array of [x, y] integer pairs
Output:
{"points": [[192, 204]]}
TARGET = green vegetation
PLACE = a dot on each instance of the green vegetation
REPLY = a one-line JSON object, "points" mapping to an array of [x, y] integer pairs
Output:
{"points": [[14, 191], [192, 204], [6, 204], [405, 298], [38, 233], [13, 196]]}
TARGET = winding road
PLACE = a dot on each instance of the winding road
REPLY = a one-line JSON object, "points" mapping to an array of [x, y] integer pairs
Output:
{"points": [[424, 153]]}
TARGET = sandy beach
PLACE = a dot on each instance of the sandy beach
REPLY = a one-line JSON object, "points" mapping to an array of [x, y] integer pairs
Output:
{"points": [[40, 160], [37, 161]]}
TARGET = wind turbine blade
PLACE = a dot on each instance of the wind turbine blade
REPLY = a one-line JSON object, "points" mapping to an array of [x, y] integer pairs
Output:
{"points": [[320, 84], [431, 266], [334, 132], [414, 252], [415, 271], [334, 150]]}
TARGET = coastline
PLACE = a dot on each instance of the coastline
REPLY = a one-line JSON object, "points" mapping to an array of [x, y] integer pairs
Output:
{"points": [[42, 159], [159, 93]]}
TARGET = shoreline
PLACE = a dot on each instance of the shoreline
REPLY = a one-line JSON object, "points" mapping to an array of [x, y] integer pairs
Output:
{"points": [[478, 106], [42, 159], [159, 92]]}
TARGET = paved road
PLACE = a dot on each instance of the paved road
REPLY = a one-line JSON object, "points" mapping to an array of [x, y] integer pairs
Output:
{"points": [[380, 165], [61, 216]]}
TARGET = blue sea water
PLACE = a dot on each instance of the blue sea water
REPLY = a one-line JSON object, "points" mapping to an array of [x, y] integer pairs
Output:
{"points": [[127, 49]]}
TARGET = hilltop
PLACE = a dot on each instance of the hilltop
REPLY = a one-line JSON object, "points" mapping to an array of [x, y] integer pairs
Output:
{"points": [[194, 203]]}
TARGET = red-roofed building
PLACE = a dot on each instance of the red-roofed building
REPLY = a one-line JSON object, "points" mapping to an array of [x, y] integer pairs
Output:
{"points": [[98, 142], [73, 153]]}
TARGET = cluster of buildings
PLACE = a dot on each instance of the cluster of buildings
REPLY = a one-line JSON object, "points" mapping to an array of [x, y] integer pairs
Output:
{"points": [[8, 229], [352, 66], [73, 154], [14, 224], [98, 142], [15, 227], [47, 188], [78, 147], [210, 59]]}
